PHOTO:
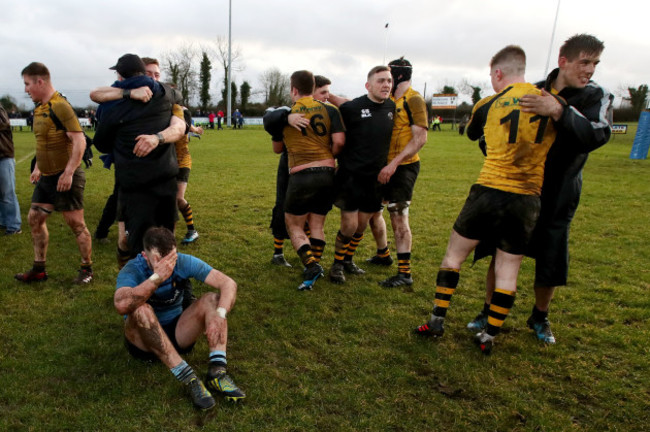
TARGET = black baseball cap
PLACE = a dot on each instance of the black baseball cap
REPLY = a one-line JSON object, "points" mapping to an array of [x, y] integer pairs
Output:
{"points": [[129, 65]]}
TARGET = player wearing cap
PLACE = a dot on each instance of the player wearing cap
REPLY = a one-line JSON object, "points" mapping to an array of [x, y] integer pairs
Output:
{"points": [[138, 136]]}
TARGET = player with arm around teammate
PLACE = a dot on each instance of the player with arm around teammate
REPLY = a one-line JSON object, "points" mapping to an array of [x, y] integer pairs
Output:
{"points": [[582, 115], [503, 205], [369, 123]]}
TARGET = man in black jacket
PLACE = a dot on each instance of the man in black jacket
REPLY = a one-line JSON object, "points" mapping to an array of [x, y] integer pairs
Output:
{"points": [[139, 136], [582, 116]]}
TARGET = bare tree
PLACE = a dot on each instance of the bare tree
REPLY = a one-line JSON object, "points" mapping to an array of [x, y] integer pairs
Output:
{"points": [[474, 91], [179, 66], [276, 87], [219, 54]]}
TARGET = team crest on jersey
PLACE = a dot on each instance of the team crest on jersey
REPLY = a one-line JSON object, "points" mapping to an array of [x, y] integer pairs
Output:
{"points": [[506, 102], [365, 113], [390, 115]]}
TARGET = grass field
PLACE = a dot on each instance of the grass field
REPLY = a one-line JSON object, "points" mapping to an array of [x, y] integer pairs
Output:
{"points": [[339, 358]]}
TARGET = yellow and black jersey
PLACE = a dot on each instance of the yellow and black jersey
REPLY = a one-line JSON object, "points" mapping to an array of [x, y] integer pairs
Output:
{"points": [[183, 152], [516, 142], [313, 143], [182, 145], [410, 110], [53, 147]]}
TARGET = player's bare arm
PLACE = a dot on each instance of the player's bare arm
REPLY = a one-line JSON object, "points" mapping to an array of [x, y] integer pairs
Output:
{"points": [[78, 147], [412, 147], [145, 144], [336, 100], [127, 299], [338, 141], [297, 121], [226, 286]]}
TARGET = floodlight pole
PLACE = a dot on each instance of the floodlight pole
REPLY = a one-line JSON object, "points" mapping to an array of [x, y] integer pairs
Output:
{"points": [[229, 89], [548, 59], [385, 43]]}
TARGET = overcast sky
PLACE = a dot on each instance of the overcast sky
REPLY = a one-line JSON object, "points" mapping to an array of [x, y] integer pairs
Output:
{"points": [[446, 41]]}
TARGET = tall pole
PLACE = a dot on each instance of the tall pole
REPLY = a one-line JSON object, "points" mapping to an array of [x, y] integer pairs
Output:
{"points": [[548, 59], [229, 89], [385, 43]]}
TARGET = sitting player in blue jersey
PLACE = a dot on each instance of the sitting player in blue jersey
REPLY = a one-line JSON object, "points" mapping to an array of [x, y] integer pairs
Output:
{"points": [[156, 326]]}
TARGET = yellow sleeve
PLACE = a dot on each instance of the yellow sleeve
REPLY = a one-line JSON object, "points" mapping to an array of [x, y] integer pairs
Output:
{"points": [[418, 108], [177, 110], [67, 116]]}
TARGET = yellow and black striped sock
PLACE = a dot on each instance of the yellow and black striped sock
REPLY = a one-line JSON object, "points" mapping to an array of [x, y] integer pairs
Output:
{"points": [[352, 247], [307, 230], [340, 247], [317, 247], [383, 253], [404, 263], [502, 302], [306, 255], [446, 283], [278, 246], [188, 216]]}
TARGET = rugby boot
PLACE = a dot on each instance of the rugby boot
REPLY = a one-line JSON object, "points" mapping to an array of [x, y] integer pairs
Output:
{"points": [[31, 275], [85, 276], [542, 330], [479, 323], [399, 279], [280, 260], [351, 268], [220, 382], [484, 342], [310, 275], [190, 237], [201, 397], [434, 327], [377, 260], [336, 273]]}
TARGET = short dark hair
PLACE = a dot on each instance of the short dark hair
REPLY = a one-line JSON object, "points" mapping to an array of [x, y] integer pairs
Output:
{"points": [[303, 81], [581, 43], [149, 60], [320, 81], [377, 69], [36, 69], [512, 60], [159, 238]]}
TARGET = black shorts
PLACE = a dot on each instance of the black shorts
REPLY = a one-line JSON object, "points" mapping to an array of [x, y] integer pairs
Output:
{"points": [[183, 175], [357, 192], [45, 192], [310, 191], [170, 331], [504, 218], [401, 184]]}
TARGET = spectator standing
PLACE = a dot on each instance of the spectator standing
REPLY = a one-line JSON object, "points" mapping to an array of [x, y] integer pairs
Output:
{"points": [[10, 221]]}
